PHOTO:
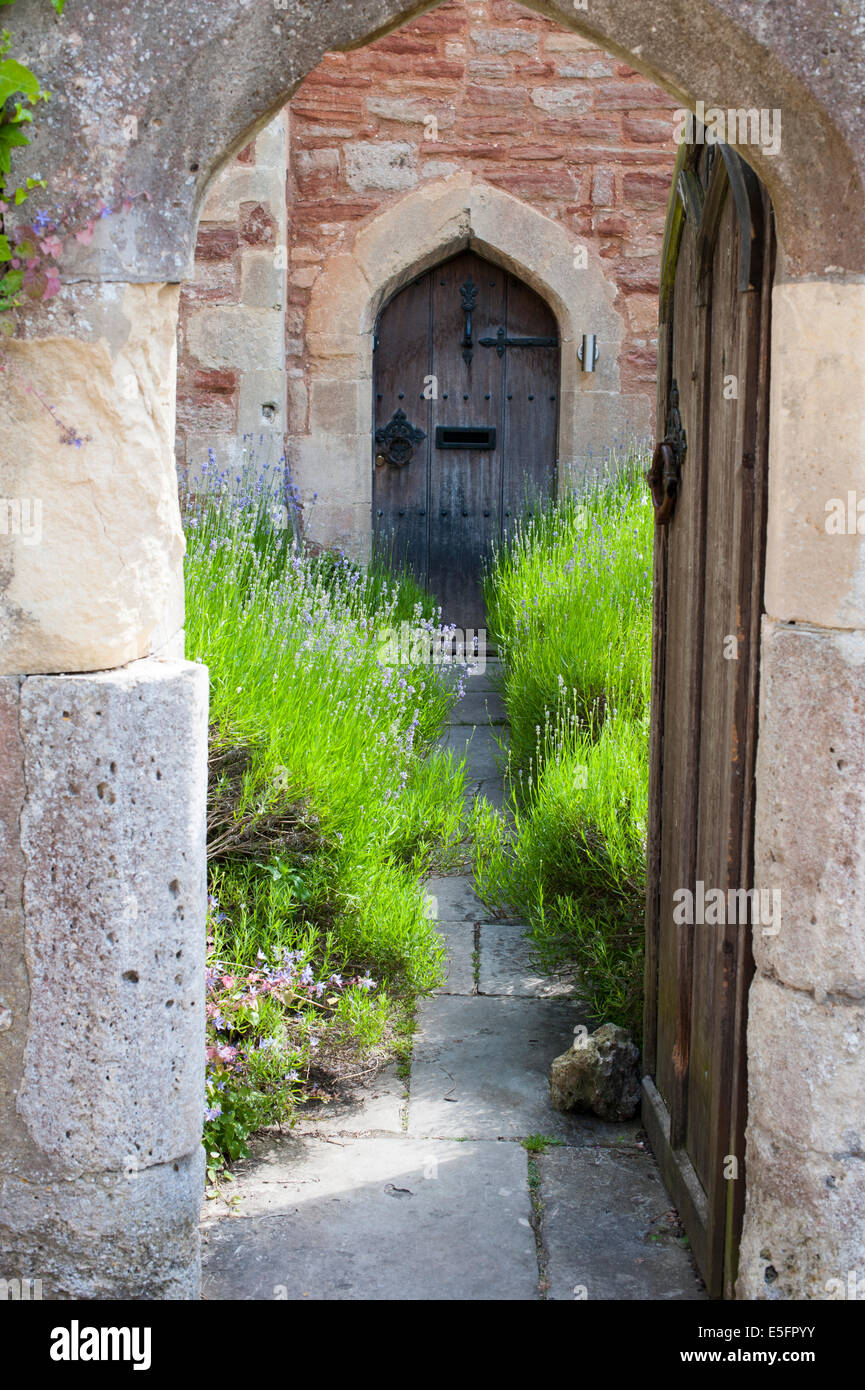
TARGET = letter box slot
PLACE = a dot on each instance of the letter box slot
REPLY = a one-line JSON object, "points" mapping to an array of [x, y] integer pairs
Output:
{"points": [[465, 437]]}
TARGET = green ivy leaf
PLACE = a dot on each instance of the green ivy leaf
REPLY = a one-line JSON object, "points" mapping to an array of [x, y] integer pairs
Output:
{"points": [[5, 249], [14, 77], [11, 282]]}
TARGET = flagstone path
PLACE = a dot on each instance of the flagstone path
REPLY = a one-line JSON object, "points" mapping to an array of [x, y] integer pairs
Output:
{"points": [[422, 1189]]}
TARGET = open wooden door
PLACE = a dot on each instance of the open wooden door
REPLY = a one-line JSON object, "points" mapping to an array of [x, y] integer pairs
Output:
{"points": [[709, 488]]}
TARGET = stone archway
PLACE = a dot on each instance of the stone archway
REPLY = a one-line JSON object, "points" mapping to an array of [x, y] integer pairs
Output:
{"points": [[98, 355], [332, 458]]}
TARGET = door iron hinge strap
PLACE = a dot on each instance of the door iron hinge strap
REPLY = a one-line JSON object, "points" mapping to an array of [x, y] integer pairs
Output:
{"points": [[502, 341]]}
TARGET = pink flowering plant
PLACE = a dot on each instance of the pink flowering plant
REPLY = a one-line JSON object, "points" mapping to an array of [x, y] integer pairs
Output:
{"points": [[569, 598], [265, 1025]]}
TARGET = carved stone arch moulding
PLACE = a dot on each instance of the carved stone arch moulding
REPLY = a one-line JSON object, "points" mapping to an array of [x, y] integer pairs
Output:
{"points": [[410, 236], [168, 125]]}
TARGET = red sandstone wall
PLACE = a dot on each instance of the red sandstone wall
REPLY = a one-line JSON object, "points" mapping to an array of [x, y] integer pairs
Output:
{"points": [[528, 107]]}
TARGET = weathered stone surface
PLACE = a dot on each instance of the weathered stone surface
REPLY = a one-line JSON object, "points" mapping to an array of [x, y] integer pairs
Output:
{"points": [[129, 1235], [805, 1143], [803, 1231], [486, 748], [812, 574], [810, 833], [409, 110], [87, 431], [380, 164], [453, 899], [374, 1105], [560, 99], [480, 708], [242, 327], [102, 974], [14, 982], [598, 1073], [112, 831], [818, 1106], [505, 40], [238, 336], [262, 283], [459, 939]]}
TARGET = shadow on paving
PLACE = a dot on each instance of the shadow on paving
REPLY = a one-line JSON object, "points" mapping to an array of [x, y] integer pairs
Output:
{"points": [[378, 1219]]}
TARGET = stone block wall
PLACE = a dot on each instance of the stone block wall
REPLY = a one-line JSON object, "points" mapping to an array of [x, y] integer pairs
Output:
{"points": [[231, 353], [485, 88]]}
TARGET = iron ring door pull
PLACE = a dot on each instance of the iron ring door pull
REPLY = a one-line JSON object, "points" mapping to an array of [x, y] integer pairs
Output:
{"points": [[397, 441], [666, 471], [663, 480]]}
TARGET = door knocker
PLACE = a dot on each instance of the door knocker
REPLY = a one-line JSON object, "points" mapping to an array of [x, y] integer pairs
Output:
{"points": [[397, 441], [665, 474]]}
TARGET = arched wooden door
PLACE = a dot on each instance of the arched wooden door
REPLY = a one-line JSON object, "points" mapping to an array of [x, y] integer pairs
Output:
{"points": [[465, 422], [710, 494]]}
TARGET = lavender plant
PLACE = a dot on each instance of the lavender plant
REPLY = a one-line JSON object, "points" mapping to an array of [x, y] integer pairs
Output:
{"points": [[569, 601], [329, 801]]}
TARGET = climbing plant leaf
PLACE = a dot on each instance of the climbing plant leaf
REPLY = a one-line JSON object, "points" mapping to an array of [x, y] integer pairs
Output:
{"points": [[14, 77], [17, 81]]}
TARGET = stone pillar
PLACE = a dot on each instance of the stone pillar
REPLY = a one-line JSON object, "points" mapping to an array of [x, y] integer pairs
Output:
{"points": [[804, 1231], [102, 979], [102, 855]]}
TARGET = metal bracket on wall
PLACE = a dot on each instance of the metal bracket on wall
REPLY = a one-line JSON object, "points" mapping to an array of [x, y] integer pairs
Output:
{"points": [[665, 474]]}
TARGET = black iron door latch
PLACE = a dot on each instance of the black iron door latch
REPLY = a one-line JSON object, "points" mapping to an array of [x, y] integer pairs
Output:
{"points": [[666, 471]]}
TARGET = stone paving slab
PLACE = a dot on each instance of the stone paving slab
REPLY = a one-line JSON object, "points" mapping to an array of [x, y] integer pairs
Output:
{"points": [[459, 938], [488, 679], [376, 1219], [601, 1210], [480, 708], [480, 748], [454, 899], [480, 1070], [508, 965], [374, 1106]]}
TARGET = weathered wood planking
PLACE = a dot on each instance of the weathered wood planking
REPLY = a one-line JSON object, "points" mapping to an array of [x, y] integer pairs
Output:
{"points": [[443, 510], [709, 560]]}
